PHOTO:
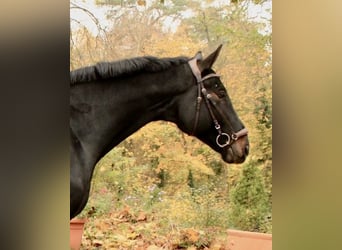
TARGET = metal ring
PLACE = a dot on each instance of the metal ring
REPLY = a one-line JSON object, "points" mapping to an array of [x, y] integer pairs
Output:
{"points": [[222, 145], [234, 136]]}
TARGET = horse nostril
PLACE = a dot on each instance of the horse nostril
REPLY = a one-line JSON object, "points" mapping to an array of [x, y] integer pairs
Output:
{"points": [[246, 149]]}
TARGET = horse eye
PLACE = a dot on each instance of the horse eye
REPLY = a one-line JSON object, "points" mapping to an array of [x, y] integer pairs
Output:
{"points": [[222, 93]]}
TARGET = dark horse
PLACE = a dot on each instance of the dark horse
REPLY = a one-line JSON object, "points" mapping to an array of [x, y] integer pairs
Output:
{"points": [[110, 101]]}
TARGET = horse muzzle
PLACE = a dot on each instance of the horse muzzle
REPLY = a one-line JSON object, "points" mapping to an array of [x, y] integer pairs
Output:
{"points": [[236, 152]]}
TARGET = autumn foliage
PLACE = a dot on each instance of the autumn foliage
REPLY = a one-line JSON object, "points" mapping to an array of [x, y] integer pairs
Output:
{"points": [[161, 189]]}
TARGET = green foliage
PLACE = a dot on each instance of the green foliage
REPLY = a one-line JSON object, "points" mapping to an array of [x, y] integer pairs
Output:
{"points": [[191, 180], [249, 202]]}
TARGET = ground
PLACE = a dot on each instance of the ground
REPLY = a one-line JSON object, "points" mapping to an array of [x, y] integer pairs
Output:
{"points": [[142, 231]]}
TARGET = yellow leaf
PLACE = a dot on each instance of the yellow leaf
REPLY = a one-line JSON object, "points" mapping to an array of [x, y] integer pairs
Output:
{"points": [[153, 247], [191, 235], [133, 236]]}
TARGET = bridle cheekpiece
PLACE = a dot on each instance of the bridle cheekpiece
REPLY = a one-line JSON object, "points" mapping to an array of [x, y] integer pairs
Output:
{"points": [[222, 139]]}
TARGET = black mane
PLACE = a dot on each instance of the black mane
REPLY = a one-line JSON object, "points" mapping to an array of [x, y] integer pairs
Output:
{"points": [[105, 70]]}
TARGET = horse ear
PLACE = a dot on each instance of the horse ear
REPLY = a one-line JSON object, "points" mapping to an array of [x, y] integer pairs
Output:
{"points": [[199, 56], [208, 62]]}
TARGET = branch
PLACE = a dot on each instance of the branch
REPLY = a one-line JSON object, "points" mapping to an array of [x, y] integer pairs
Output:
{"points": [[90, 14]]}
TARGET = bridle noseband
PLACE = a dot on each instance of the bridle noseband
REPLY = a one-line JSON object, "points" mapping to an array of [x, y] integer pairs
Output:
{"points": [[202, 91]]}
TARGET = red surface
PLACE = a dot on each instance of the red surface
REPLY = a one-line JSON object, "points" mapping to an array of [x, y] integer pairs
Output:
{"points": [[242, 240], [76, 231]]}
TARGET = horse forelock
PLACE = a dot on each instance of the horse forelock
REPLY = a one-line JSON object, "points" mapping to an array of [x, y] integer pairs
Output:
{"points": [[106, 70]]}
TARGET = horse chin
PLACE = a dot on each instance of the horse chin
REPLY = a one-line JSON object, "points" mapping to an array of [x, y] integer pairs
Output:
{"points": [[229, 156]]}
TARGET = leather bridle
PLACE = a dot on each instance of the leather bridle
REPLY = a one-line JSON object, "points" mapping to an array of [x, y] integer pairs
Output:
{"points": [[222, 139]]}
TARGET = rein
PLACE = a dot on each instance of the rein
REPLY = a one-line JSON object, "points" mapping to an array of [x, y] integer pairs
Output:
{"points": [[202, 91]]}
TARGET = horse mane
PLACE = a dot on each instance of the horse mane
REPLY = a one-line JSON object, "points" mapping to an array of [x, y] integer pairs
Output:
{"points": [[105, 70]]}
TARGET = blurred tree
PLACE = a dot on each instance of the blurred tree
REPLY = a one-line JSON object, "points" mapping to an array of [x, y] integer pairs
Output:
{"points": [[249, 208]]}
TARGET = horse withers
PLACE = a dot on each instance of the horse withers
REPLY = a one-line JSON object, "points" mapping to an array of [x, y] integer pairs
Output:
{"points": [[109, 101]]}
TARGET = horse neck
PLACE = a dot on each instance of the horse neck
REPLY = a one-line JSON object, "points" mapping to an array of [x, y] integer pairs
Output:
{"points": [[124, 106]]}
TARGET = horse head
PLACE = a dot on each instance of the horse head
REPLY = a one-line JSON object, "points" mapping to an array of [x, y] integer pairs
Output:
{"points": [[207, 113]]}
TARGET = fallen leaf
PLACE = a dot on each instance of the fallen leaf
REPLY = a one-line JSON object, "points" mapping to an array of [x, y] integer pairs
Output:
{"points": [[125, 213], [153, 247], [97, 243], [141, 217], [191, 235], [215, 245], [133, 236]]}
